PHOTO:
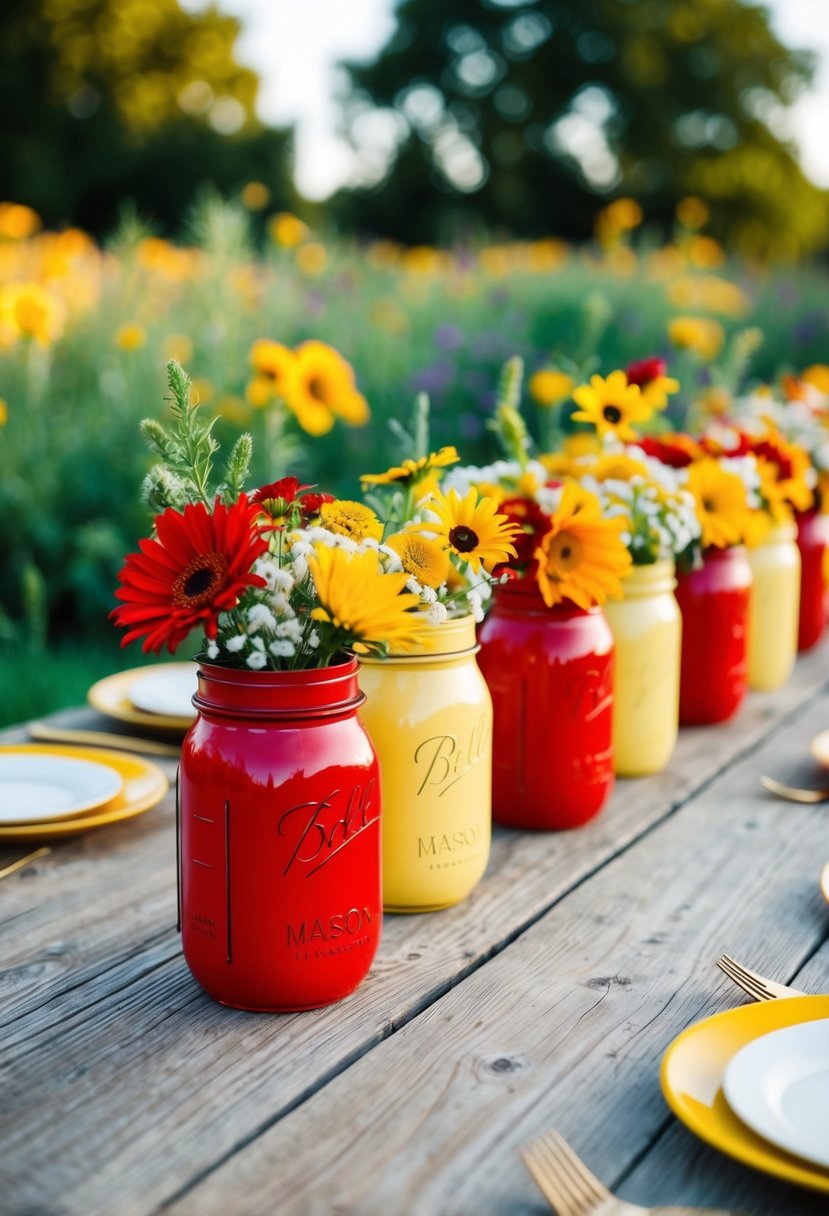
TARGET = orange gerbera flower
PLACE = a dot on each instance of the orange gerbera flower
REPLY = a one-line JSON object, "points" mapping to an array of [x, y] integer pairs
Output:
{"points": [[582, 558]]}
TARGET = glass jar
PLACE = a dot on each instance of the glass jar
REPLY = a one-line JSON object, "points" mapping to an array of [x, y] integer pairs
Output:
{"points": [[714, 603], [813, 542], [647, 631], [279, 838], [429, 715], [550, 672], [775, 609]]}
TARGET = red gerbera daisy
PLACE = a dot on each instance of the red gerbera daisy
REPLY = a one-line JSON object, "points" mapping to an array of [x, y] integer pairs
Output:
{"points": [[311, 504], [198, 567], [284, 492], [644, 371]]}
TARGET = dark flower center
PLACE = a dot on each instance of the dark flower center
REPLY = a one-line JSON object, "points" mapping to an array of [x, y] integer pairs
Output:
{"points": [[199, 581], [612, 414], [463, 539], [709, 505], [316, 387]]}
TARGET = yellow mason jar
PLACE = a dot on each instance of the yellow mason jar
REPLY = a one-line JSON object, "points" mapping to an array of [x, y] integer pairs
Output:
{"points": [[429, 715], [774, 610], [647, 630]]}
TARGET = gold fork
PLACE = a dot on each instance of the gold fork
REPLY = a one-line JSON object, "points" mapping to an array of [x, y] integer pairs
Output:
{"points": [[757, 986], [569, 1186]]}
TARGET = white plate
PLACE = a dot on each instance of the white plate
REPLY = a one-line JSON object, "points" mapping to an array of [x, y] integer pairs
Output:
{"points": [[166, 692], [779, 1086], [36, 788]]}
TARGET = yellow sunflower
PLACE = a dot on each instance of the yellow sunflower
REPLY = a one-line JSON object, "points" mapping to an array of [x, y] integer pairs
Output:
{"points": [[274, 368], [582, 558], [359, 600], [612, 405], [423, 558], [352, 519], [472, 529], [411, 472], [721, 503], [324, 389], [701, 335]]}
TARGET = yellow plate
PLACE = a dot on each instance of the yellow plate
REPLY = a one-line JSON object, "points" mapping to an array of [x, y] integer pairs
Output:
{"points": [[692, 1073], [819, 747], [110, 696], [144, 785]]}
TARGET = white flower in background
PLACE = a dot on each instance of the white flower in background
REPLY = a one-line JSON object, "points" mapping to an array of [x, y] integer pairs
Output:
{"points": [[268, 570], [548, 498], [392, 560], [475, 605], [428, 595], [256, 659], [236, 643], [313, 640], [290, 629], [212, 650], [413, 585], [258, 644]]}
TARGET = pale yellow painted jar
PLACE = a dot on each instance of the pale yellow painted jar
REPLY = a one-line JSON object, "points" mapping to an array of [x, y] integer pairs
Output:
{"points": [[647, 630], [429, 715], [774, 609]]}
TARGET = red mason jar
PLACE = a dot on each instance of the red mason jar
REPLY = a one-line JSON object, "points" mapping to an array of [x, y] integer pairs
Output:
{"points": [[714, 602], [550, 673], [280, 901], [812, 541]]}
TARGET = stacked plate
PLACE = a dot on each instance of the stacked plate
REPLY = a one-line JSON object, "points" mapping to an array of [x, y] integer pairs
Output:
{"points": [[158, 697], [49, 791], [754, 1083]]}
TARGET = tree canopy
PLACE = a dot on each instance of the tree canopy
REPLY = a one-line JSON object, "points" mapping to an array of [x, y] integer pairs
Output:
{"points": [[101, 100], [532, 114]]}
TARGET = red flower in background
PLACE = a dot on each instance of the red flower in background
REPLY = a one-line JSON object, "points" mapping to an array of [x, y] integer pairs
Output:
{"points": [[675, 450], [643, 371], [198, 567], [311, 504]]}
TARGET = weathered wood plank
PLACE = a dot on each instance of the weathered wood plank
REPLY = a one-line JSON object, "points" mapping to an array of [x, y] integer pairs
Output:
{"points": [[91, 903], [564, 1029], [151, 1060]]}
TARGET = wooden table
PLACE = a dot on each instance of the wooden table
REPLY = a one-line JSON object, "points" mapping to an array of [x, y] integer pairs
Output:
{"points": [[546, 1000]]}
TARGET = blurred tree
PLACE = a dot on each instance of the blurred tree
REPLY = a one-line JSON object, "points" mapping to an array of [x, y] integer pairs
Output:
{"points": [[533, 114], [101, 100]]}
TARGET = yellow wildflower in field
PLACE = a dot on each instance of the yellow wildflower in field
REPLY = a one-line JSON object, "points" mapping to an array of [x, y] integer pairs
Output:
{"points": [[698, 334], [28, 311], [311, 259], [692, 212], [274, 367], [131, 337], [202, 390], [710, 293], [548, 386], [255, 196], [18, 222], [705, 253], [287, 230], [622, 215], [322, 388], [818, 376], [4, 412], [413, 472], [178, 347]]}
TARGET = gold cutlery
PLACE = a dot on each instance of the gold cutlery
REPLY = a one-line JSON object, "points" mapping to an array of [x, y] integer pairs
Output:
{"points": [[792, 793], [755, 985], [569, 1186], [23, 861], [96, 738]]}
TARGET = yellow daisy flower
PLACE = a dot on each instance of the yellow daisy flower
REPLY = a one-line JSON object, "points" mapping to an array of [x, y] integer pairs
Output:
{"points": [[131, 337], [612, 405], [721, 503], [352, 519], [471, 528], [698, 334], [359, 599], [548, 387], [324, 389], [410, 472], [617, 468], [274, 370], [423, 558], [582, 558]]}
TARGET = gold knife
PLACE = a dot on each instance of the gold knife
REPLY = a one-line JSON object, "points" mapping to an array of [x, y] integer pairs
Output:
{"points": [[97, 738]]}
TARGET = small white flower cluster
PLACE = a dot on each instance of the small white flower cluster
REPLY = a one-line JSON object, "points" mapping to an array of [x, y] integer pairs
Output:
{"points": [[662, 519], [800, 422], [505, 473]]}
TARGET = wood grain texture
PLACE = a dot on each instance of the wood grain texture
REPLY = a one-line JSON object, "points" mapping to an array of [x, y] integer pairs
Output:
{"points": [[564, 1029], [104, 1023]]}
